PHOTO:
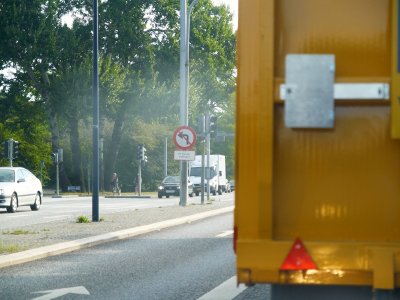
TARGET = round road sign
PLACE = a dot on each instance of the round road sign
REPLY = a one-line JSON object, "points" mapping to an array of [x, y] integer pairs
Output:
{"points": [[184, 137]]}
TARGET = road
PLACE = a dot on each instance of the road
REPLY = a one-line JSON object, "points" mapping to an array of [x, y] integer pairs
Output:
{"points": [[54, 209], [192, 261]]}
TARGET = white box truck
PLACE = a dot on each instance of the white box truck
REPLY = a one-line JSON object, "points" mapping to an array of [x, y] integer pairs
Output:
{"points": [[216, 172]]}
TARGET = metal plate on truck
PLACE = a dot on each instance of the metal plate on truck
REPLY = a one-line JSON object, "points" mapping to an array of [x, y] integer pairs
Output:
{"points": [[309, 91]]}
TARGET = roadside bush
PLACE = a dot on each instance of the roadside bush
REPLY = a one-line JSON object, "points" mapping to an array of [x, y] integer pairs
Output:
{"points": [[83, 219]]}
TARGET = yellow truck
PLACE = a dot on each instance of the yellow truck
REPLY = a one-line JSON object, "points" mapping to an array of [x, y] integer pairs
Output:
{"points": [[318, 147]]}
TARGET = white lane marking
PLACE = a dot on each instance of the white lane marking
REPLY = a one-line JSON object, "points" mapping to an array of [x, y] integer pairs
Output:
{"points": [[52, 294], [18, 216], [58, 217], [225, 291], [68, 206], [225, 233]]}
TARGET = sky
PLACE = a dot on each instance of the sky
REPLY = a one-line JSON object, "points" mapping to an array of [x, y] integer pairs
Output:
{"points": [[233, 5]]}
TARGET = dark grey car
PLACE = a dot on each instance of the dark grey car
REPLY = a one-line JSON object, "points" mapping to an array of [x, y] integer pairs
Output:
{"points": [[171, 186]]}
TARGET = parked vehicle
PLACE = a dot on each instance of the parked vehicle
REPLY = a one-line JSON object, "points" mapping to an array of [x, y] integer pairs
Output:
{"points": [[215, 172], [19, 187], [171, 186]]}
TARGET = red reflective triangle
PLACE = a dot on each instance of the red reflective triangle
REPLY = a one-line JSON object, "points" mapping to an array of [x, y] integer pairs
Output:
{"points": [[298, 258]]}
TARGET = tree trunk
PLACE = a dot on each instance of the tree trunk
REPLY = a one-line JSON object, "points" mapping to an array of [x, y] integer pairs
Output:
{"points": [[113, 148], [103, 186], [42, 88], [55, 140], [77, 172]]}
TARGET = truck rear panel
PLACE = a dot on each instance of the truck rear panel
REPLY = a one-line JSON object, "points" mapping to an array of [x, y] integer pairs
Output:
{"points": [[336, 189]]}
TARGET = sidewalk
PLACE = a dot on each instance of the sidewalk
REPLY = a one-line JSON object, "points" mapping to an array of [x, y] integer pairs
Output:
{"points": [[42, 240]]}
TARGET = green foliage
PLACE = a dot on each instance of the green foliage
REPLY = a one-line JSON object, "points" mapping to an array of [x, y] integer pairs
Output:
{"points": [[6, 249], [213, 44], [18, 232], [22, 120], [51, 93], [83, 219]]}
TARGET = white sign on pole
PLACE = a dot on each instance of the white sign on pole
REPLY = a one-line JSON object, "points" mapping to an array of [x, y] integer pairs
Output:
{"points": [[184, 155]]}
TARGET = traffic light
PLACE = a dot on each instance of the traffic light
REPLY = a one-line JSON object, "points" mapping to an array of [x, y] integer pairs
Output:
{"points": [[5, 148], [139, 152], [15, 149], [212, 126], [143, 154], [54, 157]]}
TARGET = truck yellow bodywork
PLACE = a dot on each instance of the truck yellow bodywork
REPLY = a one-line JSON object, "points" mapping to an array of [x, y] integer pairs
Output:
{"points": [[338, 189]]}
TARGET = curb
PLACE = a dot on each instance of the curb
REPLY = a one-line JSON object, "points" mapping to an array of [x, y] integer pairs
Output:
{"points": [[52, 250]]}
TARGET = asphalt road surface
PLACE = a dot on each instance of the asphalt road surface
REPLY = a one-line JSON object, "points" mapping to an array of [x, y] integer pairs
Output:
{"points": [[192, 261]]}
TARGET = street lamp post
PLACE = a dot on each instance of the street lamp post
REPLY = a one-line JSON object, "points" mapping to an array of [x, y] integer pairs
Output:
{"points": [[166, 157], [95, 173], [187, 50], [184, 87]]}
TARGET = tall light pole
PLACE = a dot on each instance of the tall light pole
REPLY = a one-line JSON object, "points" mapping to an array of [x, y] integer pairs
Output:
{"points": [[187, 50], [184, 87], [95, 176], [166, 157]]}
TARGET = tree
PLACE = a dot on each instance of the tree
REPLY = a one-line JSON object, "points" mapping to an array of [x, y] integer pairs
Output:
{"points": [[18, 113], [29, 31], [139, 83]]}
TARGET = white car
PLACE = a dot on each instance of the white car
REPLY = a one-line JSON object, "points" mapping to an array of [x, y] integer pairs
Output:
{"points": [[19, 187]]}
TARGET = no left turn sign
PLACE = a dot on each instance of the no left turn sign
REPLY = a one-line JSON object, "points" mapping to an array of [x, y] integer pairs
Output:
{"points": [[184, 137]]}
